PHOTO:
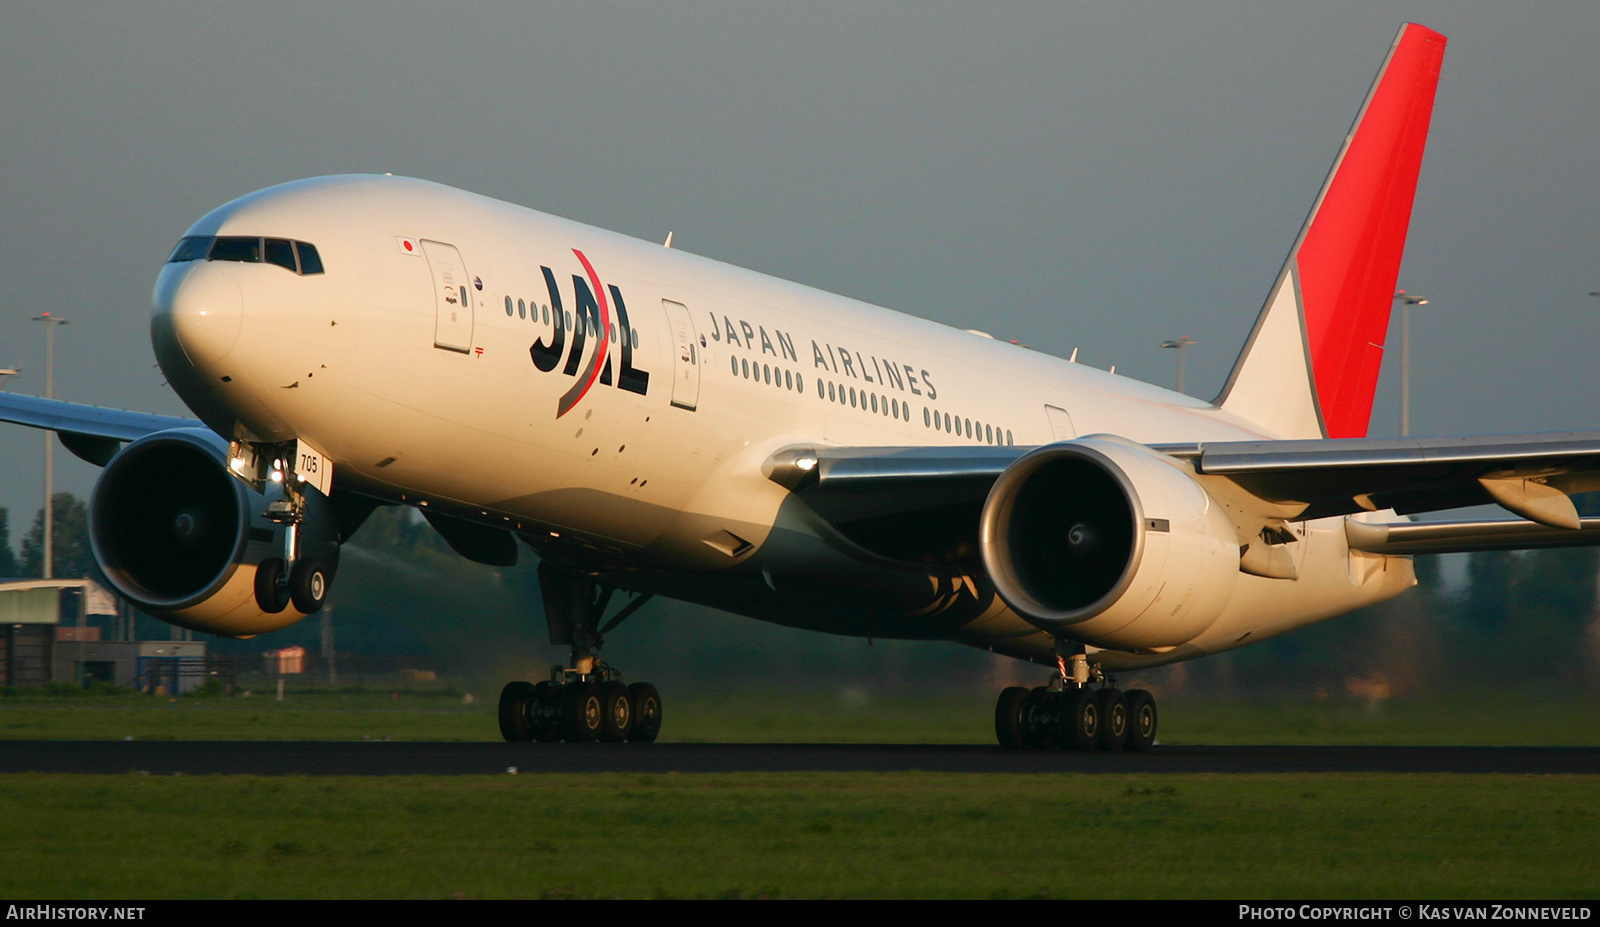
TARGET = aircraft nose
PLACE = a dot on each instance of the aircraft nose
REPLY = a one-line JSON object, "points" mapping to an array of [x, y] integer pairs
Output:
{"points": [[202, 310]]}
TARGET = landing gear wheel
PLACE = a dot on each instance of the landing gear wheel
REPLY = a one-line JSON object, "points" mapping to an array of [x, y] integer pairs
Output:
{"points": [[1113, 707], [1079, 724], [616, 713], [1141, 720], [271, 596], [544, 713], [308, 585], [581, 712], [646, 713], [515, 699], [1008, 718], [1039, 711]]}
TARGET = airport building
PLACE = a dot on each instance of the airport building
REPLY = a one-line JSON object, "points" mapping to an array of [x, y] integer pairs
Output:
{"points": [[55, 631]]}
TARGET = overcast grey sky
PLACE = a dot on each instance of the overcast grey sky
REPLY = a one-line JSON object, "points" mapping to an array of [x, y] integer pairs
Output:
{"points": [[1100, 176]]}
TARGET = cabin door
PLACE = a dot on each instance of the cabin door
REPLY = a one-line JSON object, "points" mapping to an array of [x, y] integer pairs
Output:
{"points": [[452, 294]]}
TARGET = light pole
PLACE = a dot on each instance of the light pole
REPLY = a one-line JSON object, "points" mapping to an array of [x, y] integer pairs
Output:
{"points": [[1181, 345], [1406, 301], [50, 323]]}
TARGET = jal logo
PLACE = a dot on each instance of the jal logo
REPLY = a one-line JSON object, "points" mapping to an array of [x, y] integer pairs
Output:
{"points": [[591, 321]]}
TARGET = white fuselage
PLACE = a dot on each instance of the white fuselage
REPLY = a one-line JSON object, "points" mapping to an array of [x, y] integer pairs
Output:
{"points": [[652, 474]]}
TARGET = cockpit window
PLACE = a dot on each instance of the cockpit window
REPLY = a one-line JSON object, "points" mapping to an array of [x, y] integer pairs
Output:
{"points": [[294, 256], [280, 252], [237, 248], [310, 261], [193, 248]]}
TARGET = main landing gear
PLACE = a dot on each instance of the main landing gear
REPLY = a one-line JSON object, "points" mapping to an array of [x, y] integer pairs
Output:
{"points": [[587, 700], [1069, 715], [580, 708]]}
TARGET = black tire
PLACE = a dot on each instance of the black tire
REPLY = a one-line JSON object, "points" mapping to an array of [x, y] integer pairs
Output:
{"points": [[1008, 718], [544, 712], [308, 586], [616, 713], [1039, 711], [1079, 724], [1141, 720], [271, 596], [514, 701], [646, 703], [1113, 718], [581, 712]]}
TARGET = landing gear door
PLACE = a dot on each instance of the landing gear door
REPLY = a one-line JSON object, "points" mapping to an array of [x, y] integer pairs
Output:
{"points": [[452, 294], [685, 356]]}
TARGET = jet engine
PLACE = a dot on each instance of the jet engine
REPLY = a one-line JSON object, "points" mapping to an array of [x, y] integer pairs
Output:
{"points": [[186, 541], [1105, 541]]}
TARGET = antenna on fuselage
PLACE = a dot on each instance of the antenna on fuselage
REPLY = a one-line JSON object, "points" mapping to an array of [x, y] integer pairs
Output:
{"points": [[1074, 358], [668, 242]]}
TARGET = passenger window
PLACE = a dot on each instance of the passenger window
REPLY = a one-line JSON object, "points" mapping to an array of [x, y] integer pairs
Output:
{"points": [[237, 248], [508, 306], [310, 261], [281, 253], [193, 248]]}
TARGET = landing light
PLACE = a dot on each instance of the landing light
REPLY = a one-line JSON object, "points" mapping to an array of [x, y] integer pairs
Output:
{"points": [[806, 463]]}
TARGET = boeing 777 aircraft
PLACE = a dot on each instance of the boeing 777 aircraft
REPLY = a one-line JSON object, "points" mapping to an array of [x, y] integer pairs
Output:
{"points": [[658, 423]]}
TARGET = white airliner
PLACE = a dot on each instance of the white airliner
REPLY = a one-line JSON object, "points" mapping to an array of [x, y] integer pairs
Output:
{"points": [[659, 423]]}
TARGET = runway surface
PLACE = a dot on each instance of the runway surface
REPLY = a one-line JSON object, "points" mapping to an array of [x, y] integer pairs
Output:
{"points": [[307, 758]]}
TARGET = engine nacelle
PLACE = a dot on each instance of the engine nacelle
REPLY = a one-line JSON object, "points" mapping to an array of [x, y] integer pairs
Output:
{"points": [[181, 538], [1108, 542]]}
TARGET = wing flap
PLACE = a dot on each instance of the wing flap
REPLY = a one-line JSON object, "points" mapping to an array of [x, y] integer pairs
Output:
{"points": [[1454, 537]]}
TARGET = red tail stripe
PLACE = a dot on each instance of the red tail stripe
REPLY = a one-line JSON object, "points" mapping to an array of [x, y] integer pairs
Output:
{"points": [[1349, 261]]}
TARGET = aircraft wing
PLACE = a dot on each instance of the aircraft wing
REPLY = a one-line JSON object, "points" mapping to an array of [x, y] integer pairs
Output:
{"points": [[1530, 474], [92, 432], [920, 503]]}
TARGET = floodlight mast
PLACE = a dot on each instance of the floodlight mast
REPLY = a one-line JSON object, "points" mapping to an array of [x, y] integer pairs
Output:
{"points": [[51, 321], [1406, 301], [1182, 345]]}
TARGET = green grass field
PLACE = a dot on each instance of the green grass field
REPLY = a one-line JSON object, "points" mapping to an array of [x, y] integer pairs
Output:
{"points": [[849, 716], [801, 835]]}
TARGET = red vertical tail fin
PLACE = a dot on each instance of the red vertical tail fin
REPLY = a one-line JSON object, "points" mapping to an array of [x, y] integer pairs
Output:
{"points": [[1310, 367]]}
